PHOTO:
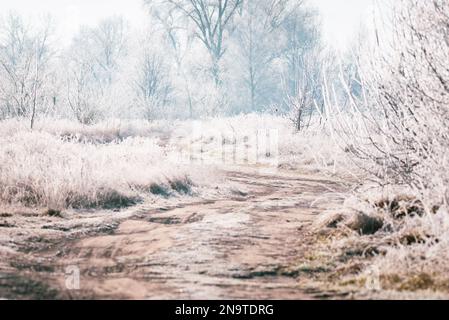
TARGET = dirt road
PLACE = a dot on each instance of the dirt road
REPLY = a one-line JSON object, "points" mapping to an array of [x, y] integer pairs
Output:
{"points": [[250, 245]]}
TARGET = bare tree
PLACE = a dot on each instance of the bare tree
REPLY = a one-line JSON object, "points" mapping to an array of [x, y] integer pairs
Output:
{"points": [[178, 43], [304, 57], [83, 94], [109, 45], [93, 62], [25, 70], [259, 37], [212, 20], [152, 84], [303, 98]]}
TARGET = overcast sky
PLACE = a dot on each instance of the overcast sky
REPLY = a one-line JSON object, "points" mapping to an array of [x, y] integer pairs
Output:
{"points": [[341, 18]]}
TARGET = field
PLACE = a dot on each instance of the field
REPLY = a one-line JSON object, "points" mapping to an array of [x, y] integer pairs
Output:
{"points": [[225, 150], [146, 210]]}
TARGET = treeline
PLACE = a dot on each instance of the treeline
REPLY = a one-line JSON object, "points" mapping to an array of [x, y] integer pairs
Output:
{"points": [[194, 58]]}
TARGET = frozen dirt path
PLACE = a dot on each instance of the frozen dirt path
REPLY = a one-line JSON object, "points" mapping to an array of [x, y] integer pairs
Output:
{"points": [[245, 247]]}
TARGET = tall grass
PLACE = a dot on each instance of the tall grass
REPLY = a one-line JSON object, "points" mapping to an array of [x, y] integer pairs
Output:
{"points": [[63, 165]]}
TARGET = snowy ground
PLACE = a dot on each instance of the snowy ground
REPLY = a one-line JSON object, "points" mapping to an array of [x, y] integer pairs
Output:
{"points": [[237, 207]]}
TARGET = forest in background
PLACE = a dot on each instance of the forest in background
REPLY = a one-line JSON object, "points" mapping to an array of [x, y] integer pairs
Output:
{"points": [[193, 59]]}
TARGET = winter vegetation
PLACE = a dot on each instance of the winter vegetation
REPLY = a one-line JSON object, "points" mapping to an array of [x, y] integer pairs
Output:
{"points": [[120, 118], [69, 113], [398, 137]]}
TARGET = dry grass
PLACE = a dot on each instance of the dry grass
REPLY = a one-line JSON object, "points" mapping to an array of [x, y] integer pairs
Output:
{"points": [[116, 164], [47, 168]]}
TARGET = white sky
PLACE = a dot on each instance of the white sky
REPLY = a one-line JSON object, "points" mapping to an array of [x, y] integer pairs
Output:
{"points": [[341, 18], [71, 14]]}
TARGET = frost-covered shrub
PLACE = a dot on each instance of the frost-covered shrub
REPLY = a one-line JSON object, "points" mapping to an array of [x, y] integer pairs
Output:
{"points": [[409, 107], [397, 132]]}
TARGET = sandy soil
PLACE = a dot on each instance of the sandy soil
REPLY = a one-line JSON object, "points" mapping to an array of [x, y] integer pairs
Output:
{"points": [[255, 243]]}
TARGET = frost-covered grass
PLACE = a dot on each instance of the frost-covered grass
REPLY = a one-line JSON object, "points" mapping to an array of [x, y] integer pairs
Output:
{"points": [[116, 163], [398, 231], [401, 233], [248, 136], [402, 244], [66, 165]]}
